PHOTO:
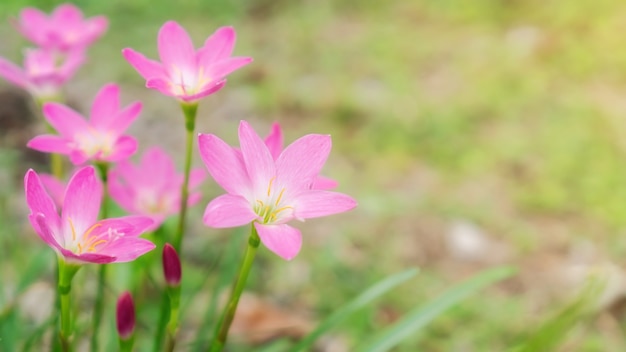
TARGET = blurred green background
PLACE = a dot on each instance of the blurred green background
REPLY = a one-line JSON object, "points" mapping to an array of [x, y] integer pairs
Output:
{"points": [[472, 134]]}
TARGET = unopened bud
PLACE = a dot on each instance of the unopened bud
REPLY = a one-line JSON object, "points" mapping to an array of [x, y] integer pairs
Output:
{"points": [[125, 316], [171, 266]]}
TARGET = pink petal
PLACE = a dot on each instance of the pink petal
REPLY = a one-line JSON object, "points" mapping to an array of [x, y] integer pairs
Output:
{"points": [[94, 28], [300, 163], [50, 144], [120, 121], [257, 158], [274, 141], [39, 201], [33, 23], [67, 13], [128, 249], [78, 157], [55, 187], [65, 120], [82, 200], [119, 191], [228, 211], [13, 73], [324, 183], [207, 89], [176, 48], [42, 227], [315, 203], [147, 68], [86, 258], [105, 106], [217, 47], [124, 148], [224, 164], [196, 177], [129, 226], [156, 162], [73, 61], [162, 85], [283, 240], [227, 66]]}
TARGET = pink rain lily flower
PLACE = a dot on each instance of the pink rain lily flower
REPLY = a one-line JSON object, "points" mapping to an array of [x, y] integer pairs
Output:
{"points": [[100, 139], [152, 188], [43, 74], [269, 192], [76, 234], [274, 142], [183, 72], [64, 30]]}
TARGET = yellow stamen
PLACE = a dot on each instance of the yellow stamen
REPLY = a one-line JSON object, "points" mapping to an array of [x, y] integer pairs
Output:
{"points": [[73, 229], [93, 246], [269, 188], [280, 196]]}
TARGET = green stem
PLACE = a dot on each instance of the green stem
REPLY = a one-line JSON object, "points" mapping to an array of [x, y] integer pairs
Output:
{"points": [[172, 326], [158, 337], [127, 345], [66, 273], [190, 111], [240, 282], [98, 308]]}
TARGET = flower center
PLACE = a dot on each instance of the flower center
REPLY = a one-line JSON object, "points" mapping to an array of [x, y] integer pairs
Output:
{"points": [[271, 208], [95, 142], [187, 82], [88, 241]]}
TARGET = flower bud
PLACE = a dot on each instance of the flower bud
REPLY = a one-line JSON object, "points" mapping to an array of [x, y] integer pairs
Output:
{"points": [[171, 266], [125, 316]]}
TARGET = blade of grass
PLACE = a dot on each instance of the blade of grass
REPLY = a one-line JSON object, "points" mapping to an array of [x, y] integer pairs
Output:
{"points": [[359, 302], [422, 316], [553, 331]]}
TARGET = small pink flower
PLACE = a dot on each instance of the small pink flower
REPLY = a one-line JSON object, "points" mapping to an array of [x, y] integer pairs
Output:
{"points": [[274, 142], [152, 188], [125, 316], [44, 73], [266, 191], [65, 29], [77, 235], [100, 139], [183, 72]]}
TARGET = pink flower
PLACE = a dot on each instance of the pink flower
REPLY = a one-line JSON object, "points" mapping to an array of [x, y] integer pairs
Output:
{"points": [[274, 142], [77, 235], [183, 72], [266, 191], [152, 188], [100, 139], [65, 29], [43, 74], [171, 266]]}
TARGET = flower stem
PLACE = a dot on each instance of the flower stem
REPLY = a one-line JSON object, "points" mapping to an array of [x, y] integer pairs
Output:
{"points": [[98, 307], [240, 282], [172, 326], [66, 273], [190, 111]]}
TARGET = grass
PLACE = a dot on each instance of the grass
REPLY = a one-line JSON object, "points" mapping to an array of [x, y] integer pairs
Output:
{"points": [[508, 114]]}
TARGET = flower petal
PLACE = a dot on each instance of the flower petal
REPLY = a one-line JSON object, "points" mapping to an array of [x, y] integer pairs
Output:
{"points": [[175, 48], [300, 163], [162, 85], [145, 67], [257, 158], [105, 106], [283, 240], [54, 187], [224, 164], [227, 66], [207, 89], [13, 73], [41, 224], [123, 149], [39, 201], [86, 258], [324, 183], [82, 200], [218, 46], [274, 140], [318, 203], [128, 249], [120, 121], [65, 120], [50, 144], [228, 211]]}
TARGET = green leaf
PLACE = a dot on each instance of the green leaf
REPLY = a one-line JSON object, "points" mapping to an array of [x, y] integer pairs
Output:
{"points": [[421, 316], [359, 302]]}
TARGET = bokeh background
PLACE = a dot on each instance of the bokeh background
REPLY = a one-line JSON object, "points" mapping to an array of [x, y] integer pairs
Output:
{"points": [[472, 133]]}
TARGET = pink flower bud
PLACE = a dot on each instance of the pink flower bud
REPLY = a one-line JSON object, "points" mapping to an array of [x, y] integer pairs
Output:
{"points": [[171, 266], [125, 316]]}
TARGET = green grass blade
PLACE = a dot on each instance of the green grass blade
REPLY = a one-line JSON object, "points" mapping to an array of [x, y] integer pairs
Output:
{"points": [[422, 316], [359, 302], [549, 335]]}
